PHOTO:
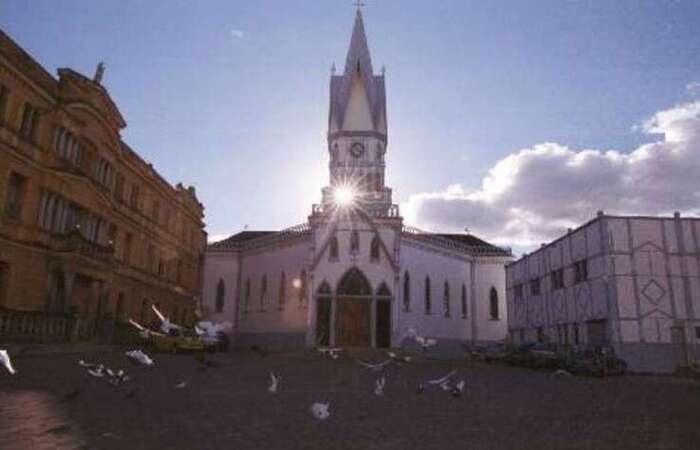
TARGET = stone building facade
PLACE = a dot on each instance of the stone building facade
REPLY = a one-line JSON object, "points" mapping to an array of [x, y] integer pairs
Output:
{"points": [[354, 274], [630, 283], [86, 225]]}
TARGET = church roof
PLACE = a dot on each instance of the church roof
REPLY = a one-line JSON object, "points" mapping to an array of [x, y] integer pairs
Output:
{"points": [[239, 238], [469, 239], [358, 60]]}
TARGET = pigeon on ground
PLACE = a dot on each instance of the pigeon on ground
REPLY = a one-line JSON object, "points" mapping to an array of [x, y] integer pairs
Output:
{"points": [[440, 381], [274, 383], [97, 372], [321, 410], [445, 386], [562, 373], [181, 385], [5, 361], [458, 390], [379, 386], [374, 367], [72, 394], [139, 357], [421, 387], [424, 342]]}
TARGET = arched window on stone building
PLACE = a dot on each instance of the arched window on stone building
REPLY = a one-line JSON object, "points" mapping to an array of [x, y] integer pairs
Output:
{"points": [[464, 300], [374, 249], [246, 297], [406, 291], [263, 292], [428, 305], [302, 288], [446, 299], [493, 303], [282, 290], [333, 248], [220, 293], [354, 242]]}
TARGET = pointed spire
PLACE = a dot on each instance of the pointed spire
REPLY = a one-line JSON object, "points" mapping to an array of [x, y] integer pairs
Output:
{"points": [[358, 53]]}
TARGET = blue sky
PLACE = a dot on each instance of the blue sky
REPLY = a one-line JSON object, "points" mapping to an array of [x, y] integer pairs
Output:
{"points": [[232, 96]]}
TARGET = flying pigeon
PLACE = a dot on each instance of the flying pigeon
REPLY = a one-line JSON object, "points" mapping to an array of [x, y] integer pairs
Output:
{"points": [[97, 372], [440, 381], [274, 383], [143, 331], [375, 367], [5, 361], [321, 410], [445, 386], [139, 357], [166, 325], [379, 386], [458, 390], [181, 385]]}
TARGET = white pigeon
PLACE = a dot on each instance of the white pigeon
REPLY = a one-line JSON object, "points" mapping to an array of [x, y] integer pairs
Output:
{"points": [[144, 332], [445, 386], [166, 325], [333, 352], [181, 385], [5, 360], [424, 342], [396, 357], [375, 367], [140, 357], [321, 410], [379, 386], [97, 372], [274, 383], [441, 381], [458, 390]]}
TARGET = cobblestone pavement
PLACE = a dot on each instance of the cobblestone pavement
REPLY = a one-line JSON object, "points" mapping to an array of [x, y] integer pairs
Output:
{"points": [[53, 403]]}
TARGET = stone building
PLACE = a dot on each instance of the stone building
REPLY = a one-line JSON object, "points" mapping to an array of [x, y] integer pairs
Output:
{"points": [[86, 225], [630, 283], [354, 274]]}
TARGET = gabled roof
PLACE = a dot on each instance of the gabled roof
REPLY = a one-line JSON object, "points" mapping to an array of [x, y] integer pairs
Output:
{"points": [[358, 61], [239, 238]]}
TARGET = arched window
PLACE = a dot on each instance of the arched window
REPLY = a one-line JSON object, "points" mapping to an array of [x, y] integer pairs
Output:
{"points": [[406, 292], [354, 242], [374, 249], [119, 310], [246, 298], [446, 299], [282, 290], [220, 292], [333, 248], [464, 300], [263, 292], [302, 288], [383, 291], [493, 303], [427, 296]]}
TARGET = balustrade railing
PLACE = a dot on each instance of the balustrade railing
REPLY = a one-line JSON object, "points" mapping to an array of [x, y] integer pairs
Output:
{"points": [[74, 241], [35, 327], [435, 239]]}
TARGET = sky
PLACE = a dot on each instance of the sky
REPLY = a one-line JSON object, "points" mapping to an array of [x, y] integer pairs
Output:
{"points": [[514, 119]]}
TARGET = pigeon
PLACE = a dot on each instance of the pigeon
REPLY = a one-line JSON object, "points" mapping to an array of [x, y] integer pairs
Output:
{"points": [[166, 325], [379, 386], [144, 332], [421, 388], [181, 385], [562, 373], [5, 361], [139, 357], [445, 386], [424, 342], [333, 352], [321, 410], [374, 367], [440, 381], [97, 372], [274, 383], [458, 390]]}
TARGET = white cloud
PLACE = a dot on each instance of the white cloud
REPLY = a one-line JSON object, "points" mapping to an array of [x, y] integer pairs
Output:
{"points": [[217, 237], [237, 34], [534, 194]]}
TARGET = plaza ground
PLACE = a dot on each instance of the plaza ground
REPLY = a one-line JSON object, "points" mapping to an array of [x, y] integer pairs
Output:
{"points": [[53, 403]]}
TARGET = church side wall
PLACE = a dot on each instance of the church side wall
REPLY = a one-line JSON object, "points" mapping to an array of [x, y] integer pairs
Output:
{"points": [[490, 275], [219, 267], [275, 314], [420, 263]]}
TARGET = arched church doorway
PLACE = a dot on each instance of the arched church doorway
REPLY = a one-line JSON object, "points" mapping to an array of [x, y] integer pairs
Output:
{"points": [[354, 302], [383, 324], [323, 315]]}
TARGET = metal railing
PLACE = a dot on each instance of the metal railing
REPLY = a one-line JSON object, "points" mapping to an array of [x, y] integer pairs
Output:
{"points": [[30, 326]]}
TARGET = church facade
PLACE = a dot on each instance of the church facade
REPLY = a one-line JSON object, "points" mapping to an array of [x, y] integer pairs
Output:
{"points": [[354, 274]]}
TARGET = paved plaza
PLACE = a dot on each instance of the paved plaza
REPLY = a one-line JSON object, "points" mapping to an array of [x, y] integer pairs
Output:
{"points": [[53, 403]]}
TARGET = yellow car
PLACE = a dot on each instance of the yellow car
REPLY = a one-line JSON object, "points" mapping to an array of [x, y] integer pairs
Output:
{"points": [[184, 341]]}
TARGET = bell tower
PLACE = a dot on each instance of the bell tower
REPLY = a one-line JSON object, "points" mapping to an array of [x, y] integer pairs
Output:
{"points": [[357, 133]]}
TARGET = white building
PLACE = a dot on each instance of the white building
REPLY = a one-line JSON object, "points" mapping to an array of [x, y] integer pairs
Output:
{"points": [[631, 283], [354, 274]]}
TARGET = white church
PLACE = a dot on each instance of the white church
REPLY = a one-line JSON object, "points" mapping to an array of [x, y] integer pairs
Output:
{"points": [[354, 274]]}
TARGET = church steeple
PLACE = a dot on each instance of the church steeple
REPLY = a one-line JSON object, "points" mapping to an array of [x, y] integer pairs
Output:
{"points": [[357, 128], [358, 57]]}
